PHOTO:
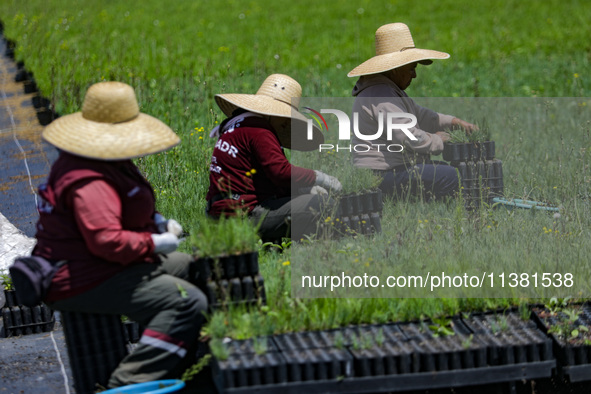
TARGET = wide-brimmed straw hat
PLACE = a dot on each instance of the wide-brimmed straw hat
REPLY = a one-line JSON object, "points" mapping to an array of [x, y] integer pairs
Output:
{"points": [[278, 96], [110, 126], [394, 48]]}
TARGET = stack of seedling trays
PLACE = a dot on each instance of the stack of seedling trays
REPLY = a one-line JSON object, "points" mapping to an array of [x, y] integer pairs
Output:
{"points": [[569, 326], [479, 349], [481, 173], [359, 214], [233, 279], [23, 320], [96, 345]]}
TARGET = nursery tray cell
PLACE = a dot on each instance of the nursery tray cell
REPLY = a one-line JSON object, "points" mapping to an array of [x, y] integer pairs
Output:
{"points": [[96, 344], [318, 364], [252, 346], [244, 370], [22, 320], [305, 340]]}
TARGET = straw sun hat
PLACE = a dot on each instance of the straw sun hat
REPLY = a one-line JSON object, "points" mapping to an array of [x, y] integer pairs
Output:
{"points": [[110, 126], [394, 48], [278, 96]]}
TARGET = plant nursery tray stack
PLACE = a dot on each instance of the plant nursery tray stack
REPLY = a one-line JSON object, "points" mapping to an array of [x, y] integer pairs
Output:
{"points": [[231, 279], [359, 213], [480, 172], [23, 320]]}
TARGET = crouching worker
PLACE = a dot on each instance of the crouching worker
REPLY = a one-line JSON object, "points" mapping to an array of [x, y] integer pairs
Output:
{"points": [[380, 90], [97, 212], [249, 171]]}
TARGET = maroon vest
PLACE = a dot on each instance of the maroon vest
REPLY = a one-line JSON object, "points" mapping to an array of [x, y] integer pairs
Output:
{"points": [[58, 237]]}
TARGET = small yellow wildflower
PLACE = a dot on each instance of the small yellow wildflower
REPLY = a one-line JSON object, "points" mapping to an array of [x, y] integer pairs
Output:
{"points": [[286, 263]]}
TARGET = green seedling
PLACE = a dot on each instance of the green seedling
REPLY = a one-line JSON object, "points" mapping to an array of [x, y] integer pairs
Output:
{"points": [[339, 340], [466, 343], [192, 371], [219, 349], [6, 280], [260, 345], [380, 337], [458, 136], [442, 327]]}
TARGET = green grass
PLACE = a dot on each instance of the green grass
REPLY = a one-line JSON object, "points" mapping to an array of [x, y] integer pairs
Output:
{"points": [[178, 55]]}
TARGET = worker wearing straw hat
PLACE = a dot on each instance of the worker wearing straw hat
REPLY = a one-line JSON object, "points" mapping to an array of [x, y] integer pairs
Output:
{"points": [[380, 90], [97, 212], [249, 170]]}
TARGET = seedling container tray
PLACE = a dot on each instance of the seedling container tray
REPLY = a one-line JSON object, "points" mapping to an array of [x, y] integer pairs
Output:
{"points": [[96, 345], [227, 267], [408, 382], [248, 346], [574, 359], [470, 151], [247, 290], [399, 357], [22, 320], [359, 214]]}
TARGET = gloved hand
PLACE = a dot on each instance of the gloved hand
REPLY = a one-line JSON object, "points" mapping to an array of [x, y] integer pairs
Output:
{"points": [[165, 243], [313, 190], [170, 225], [328, 182]]}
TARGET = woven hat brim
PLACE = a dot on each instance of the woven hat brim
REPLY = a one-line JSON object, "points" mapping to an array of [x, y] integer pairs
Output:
{"points": [[389, 61], [141, 136], [295, 138]]}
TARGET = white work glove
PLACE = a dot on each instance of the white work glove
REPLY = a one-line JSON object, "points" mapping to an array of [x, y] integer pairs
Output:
{"points": [[328, 182], [165, 243], [170, 225], [313, 190]]}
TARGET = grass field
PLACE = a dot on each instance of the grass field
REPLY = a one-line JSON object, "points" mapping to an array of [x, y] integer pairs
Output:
{"points": [[179, 54]]}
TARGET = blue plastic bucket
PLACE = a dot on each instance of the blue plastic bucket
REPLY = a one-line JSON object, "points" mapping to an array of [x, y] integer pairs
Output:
{"points": [[155, 387]]}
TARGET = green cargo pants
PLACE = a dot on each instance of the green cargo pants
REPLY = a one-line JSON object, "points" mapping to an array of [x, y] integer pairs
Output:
{"points": [[160, 299]]}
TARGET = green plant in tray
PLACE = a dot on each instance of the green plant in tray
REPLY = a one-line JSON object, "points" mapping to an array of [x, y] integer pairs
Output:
{"points": [[6, 280], [226, 236], [457, 136]]}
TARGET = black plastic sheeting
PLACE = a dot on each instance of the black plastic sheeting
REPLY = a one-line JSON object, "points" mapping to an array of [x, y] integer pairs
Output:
{"points": [[30, 364]]}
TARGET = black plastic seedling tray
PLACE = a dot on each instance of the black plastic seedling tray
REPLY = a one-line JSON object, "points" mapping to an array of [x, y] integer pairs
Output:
{"points": [[96, 345], [229, 280], [23, 320], [574, 359], [359, 214], [392, 358]]}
